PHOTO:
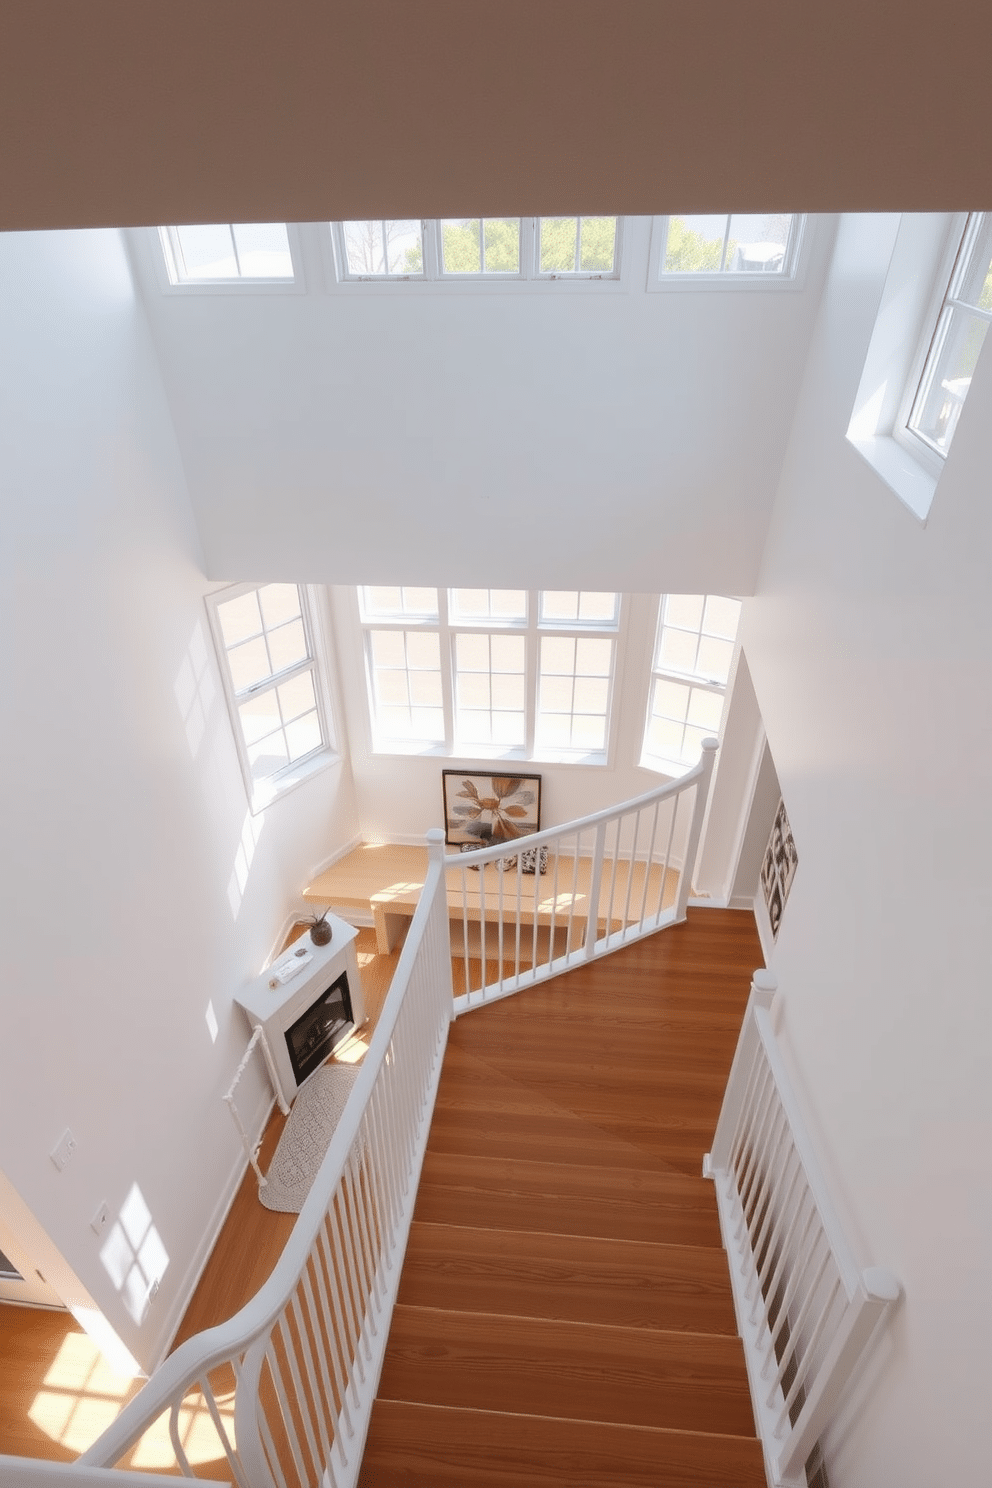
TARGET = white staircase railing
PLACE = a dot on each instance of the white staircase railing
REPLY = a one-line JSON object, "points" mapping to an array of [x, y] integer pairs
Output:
{"points": [[303, 1357], [804, 1311], [288, 1383], [607, 880]]}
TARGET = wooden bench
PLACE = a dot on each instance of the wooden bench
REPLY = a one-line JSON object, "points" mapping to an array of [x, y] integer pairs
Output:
{"points": [[386, 879]]}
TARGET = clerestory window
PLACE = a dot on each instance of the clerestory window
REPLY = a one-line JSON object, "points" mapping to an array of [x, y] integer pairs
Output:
{"points": [[693, 653], [957, 339], [491, 672], [477, 249], [725, 249], [228, 253], [267, 639]]}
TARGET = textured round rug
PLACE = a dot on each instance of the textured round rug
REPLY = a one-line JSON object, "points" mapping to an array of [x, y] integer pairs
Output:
{"points": [[306, 1137]]}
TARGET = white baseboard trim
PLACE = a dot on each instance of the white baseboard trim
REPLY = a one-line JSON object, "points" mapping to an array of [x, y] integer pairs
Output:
{"points": [[336, 856], [204, 1251]]}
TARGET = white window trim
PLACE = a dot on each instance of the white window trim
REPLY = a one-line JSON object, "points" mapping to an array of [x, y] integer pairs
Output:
{"points": [[957, 252], [262, 793], [529, 280], [532, 630], [654, 762], [294, 286], [914, 255], [791, 278]]}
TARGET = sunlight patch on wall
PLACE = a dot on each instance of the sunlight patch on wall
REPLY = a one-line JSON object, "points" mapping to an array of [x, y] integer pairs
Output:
{"points": [[212, 1026], [133, 1255], [251, 830], [195, 690]]}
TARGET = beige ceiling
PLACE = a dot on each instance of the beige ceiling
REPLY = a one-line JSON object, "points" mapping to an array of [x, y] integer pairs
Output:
{"points": [[121, 111]]}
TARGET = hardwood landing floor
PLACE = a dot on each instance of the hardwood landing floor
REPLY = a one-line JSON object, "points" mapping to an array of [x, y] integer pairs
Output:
{"points": [[535, 1170], [564, 1317], [58, 1395]]}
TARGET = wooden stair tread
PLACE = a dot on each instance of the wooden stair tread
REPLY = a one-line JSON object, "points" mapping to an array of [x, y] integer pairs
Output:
{"points": [[423, 1446], [586, 1337], [481, 1109], [631, 1376], [578, 1278], [570, 1198]]}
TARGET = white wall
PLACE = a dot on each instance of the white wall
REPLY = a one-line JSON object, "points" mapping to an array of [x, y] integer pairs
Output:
{"points": [[868, 644], [571, 437], [125, 820]]}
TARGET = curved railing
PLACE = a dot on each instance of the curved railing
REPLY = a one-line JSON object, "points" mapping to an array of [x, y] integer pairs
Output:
{"points": [[288, 1383], [303, 1357], [527, 910]]}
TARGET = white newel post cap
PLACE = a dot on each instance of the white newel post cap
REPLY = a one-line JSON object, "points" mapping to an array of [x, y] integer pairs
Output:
{"points": [[880, 1284], [435, 844], [764, 985]]}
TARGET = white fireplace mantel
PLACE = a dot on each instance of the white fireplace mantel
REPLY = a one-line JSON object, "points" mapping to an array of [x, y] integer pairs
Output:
{"points": [[276, 1009]]}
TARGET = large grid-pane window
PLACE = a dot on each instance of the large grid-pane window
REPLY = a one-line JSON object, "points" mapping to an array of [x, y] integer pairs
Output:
{"points": [[405, 672], [957, 339], [693, 654], [487, 604], [501, 671], [272, 678], [574, 691], [490, 689]]}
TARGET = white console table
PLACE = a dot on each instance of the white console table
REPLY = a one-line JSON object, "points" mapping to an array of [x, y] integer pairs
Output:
{"points": [[275, 1009]]}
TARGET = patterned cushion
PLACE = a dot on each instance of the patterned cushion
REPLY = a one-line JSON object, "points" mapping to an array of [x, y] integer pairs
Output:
{"points": [[528, 859]]}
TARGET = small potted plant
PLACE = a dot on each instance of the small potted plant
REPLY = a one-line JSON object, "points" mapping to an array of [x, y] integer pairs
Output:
{"points": [[320, 930]]}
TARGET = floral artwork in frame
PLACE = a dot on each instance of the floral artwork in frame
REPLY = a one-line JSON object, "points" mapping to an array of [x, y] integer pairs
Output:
{"points": [[482, 810]]}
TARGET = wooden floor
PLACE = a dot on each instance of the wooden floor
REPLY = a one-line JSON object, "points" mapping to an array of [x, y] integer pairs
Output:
{"points": [[586, 1335], [58, 1394], [386, 880], [564, 1317]]}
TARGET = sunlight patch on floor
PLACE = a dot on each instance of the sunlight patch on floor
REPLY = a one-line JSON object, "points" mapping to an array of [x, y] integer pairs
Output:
{"points": [[81, 1396]]}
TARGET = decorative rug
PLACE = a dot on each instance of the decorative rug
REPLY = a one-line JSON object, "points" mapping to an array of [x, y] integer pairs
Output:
{"points": [[306, 1137]]}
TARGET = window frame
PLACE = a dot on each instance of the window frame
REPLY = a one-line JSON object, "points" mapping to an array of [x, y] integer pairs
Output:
{"points": [[953, 268], [262, 793], [699, 681], [532, 629], [165, 255], [791, 277], [434, 280]]}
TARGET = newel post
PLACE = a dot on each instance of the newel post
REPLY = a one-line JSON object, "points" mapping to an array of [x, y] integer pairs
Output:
{"points": [[435, 845], [707, 760]]}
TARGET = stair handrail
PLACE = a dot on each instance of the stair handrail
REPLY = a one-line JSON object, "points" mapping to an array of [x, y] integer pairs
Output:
{"points": [[543, 924], [425, 953], [805, 1310]]}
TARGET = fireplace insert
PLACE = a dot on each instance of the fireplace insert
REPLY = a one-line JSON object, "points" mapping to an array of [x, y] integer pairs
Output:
{"points": [[321, 1029]]}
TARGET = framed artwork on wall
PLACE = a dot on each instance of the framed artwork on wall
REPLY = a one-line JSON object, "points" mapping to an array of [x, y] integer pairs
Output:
{"points": [[778, 868], [482, 810]]}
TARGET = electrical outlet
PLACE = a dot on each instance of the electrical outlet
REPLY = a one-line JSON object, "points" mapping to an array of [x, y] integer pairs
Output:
{"points": [[99, 1221], [64, 1149]]}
